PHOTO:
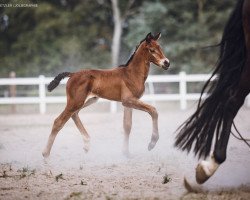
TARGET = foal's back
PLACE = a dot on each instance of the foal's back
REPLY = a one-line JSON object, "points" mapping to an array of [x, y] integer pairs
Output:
{"points": [[102, 83]]}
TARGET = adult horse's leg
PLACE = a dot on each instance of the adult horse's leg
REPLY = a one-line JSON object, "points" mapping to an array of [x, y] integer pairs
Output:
{"points": [[127, 124], [137, 104], [206, 169], [79, 125]]}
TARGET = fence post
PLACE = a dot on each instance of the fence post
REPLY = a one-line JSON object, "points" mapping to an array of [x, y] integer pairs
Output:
{"points": [[151, 91], [42, 94], [12, 90], [113, 107], [183, 90]]}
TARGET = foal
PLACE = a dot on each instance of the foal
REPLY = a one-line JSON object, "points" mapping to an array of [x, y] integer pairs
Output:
{"points": [[124, 84]]}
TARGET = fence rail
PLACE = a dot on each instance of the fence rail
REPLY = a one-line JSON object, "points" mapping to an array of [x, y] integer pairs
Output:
{"points": [[182, 78]]}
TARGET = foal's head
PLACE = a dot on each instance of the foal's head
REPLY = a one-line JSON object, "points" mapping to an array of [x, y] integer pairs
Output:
{"points": [[154, 51]]}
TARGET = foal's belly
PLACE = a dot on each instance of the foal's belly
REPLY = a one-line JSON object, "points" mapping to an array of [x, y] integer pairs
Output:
{"points": [[107, 88]]}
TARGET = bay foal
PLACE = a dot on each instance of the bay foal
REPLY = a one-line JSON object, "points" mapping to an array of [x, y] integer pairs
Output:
{"points": [[123, 84]]}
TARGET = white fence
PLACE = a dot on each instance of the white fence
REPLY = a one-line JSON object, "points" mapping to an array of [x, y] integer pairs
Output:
{"points": [[182, 78]]}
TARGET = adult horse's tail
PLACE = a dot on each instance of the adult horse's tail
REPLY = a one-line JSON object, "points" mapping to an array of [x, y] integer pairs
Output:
{"points": [[53, 84], [209, 118]]}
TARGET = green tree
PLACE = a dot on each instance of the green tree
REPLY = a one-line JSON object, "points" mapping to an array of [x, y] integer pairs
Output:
{"points": [[69, 35], [187, 27]]}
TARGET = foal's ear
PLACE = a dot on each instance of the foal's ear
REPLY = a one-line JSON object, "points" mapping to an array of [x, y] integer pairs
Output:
{"points": [[149, 37], [157, 36]]}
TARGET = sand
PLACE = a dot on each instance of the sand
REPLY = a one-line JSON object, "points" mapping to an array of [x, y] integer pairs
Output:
{"points": [[104, 173]]}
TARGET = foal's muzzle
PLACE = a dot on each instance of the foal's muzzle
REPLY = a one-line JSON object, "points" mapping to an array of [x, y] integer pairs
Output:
{"points": [[165, 65]]}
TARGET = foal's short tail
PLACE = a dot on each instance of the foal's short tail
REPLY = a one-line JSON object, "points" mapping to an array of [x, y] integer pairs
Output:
{"points": [[53, 84]]}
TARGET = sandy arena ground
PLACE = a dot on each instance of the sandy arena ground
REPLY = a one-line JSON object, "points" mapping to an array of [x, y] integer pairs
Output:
{"points": [[104, 173]]}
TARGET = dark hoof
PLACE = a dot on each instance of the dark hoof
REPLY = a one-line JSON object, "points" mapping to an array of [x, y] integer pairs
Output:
{"points": [[201, 176], [153, 142]]}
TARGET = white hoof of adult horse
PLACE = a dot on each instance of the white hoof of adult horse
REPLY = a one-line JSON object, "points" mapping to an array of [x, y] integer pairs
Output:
{"points": [[205, 169]]}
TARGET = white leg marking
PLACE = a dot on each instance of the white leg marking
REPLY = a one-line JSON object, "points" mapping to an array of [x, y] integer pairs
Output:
{"points": [[209, 166], [86, 144], [205, 169]]}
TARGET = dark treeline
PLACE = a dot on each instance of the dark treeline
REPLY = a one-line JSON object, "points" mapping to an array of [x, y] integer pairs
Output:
{"points": [[69, 35]]}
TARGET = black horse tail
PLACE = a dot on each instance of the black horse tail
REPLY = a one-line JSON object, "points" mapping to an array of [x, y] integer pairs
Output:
{"points": [[53, 84], [197, 132]]}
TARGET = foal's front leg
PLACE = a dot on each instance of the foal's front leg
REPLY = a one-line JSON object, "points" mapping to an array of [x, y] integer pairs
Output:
{"points": [[137, 104], [127, 124]]}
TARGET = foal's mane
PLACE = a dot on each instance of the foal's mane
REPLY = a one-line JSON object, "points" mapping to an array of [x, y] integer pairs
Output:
{"points": [[132, 56]]}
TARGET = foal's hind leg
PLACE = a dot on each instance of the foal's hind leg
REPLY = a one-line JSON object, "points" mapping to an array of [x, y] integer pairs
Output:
{"points": [[57, 126], [75, 100], [127, 124], [84, 133]]}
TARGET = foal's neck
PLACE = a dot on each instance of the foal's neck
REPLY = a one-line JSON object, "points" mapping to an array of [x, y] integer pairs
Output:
{"points": [[139, 66]]}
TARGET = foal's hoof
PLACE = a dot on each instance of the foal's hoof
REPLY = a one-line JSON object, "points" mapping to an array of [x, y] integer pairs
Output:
{"points": [[201, 176], [45, 154], [86, 145], [86, 149], [151, 145], [153, 142], [126, 153]]}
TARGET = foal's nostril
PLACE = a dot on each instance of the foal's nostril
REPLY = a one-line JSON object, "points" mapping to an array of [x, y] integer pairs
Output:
{"points": [[166, 64]]}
